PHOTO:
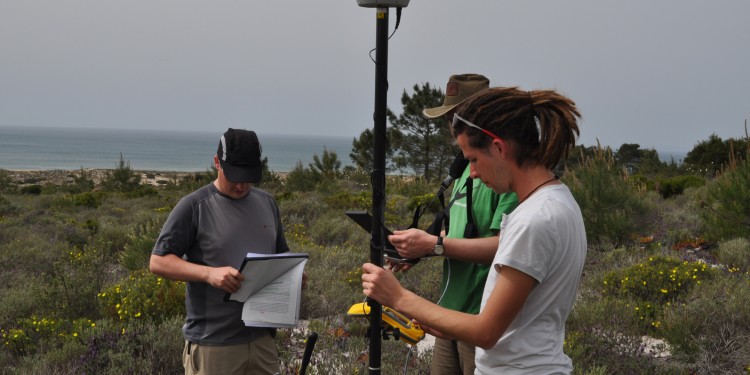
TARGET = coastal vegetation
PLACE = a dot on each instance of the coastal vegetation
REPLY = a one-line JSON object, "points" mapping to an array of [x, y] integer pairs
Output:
{"points": [[665, 289]]}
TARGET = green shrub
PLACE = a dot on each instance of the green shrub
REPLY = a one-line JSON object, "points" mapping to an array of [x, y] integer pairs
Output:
{"points": [[302, 208], [349, 200], [57, 359], [76, 280], [37, 334], [735, 254], [410, 186], [710, 330], [424, 200], [190, 181], [91, 225], [109, 347], [31, 190], [6, 183], [678, 217], [87, 199], [606, 352], [112, 235], [335, 228], [610, 204], [645, 181], [143, 295], [655, 283], [5, 206], [726, 203], [300, 179], [25, 285], [142, 191], [151, 346], [672, 186], [82, 183], [333, 285], [122, 178], [659, 280], [136, 252]]}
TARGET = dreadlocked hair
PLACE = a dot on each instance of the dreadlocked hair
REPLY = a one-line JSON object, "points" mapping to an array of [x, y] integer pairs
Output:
{"points": [[541, 124]]}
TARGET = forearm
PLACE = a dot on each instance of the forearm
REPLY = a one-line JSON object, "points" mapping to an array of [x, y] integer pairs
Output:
{"points": [[176, 268], [481, 330], [454, 324], [474, 250]]}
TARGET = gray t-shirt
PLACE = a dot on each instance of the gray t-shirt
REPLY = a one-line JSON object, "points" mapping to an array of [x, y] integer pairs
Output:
{"points": [[210, 228]]}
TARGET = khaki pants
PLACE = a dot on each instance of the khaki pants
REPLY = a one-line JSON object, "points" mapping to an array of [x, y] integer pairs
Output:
{"points": [[257, 357], [451, 357]]}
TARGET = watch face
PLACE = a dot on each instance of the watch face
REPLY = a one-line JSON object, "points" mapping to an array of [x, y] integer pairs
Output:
{"points": [[438, 250]]}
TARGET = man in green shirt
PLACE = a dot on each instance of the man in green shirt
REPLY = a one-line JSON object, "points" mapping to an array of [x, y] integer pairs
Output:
{"points": [[467, 249]]}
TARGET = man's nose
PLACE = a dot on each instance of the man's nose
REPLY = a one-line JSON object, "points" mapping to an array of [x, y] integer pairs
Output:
{"points": [[473, 171]]}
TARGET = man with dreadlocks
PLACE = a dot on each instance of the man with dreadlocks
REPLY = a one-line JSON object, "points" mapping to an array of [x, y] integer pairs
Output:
{"points": [[513, 140]]}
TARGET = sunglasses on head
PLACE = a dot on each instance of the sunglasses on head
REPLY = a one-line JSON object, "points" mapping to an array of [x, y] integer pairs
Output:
{"points": [[457, 118]]}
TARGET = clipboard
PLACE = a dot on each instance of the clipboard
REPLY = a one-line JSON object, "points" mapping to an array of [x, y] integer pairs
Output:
{"points": [[364, 220]]}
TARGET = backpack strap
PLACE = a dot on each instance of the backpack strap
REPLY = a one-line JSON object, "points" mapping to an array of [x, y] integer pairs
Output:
{"points": [[470, 231]]}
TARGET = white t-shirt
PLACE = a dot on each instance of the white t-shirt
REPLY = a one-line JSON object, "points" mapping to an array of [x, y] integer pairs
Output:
{"points": [[544, 238]]}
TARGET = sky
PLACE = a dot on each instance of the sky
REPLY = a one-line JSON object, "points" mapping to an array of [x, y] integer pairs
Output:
{"points": [[662, 74]]}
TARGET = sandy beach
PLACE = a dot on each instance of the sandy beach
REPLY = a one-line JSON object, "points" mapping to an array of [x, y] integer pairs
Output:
{"points": [[60, 177]]}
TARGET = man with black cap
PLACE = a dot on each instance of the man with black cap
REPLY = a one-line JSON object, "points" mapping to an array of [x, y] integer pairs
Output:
{"points": [[204, 240], [469, 245]]}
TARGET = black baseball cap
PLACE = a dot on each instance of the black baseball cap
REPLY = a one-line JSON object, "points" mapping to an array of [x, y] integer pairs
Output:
{"points": [[239, 156]]}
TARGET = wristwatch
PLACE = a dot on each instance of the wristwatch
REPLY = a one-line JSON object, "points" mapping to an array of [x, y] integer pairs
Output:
{"points": [[439, 249]]}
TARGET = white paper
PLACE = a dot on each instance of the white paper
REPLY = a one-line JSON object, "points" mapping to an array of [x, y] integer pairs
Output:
{"points": [[272, 289]]}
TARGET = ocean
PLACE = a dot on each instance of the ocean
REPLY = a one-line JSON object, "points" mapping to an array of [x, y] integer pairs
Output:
{"points": [[38, 148]]}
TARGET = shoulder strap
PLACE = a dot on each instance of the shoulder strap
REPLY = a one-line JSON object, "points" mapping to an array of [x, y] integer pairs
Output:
{"points": [[470, 231]]}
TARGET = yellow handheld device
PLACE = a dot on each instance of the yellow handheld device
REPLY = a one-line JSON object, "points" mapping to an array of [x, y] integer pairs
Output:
{"points": [[407, 331]]}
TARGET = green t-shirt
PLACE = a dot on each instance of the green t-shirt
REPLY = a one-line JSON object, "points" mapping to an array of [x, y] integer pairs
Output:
{"points": [[463, 282]]}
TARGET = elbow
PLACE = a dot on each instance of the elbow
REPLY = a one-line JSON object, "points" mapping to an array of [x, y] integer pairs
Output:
{"points": [[487, 342], [154, 265], [488, 338]]}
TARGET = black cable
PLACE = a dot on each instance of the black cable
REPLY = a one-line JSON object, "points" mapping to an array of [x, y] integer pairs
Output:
{"points": [[398, 21]]}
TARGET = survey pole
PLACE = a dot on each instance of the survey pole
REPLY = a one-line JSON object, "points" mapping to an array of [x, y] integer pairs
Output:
{"points": [[378, 178], [380, 142]]}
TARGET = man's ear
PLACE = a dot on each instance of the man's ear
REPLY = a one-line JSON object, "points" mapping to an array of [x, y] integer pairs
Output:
{"points": [[216, 162]]}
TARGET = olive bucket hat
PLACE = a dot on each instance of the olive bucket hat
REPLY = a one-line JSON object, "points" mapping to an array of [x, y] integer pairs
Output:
{"points": [[460, 87]]}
